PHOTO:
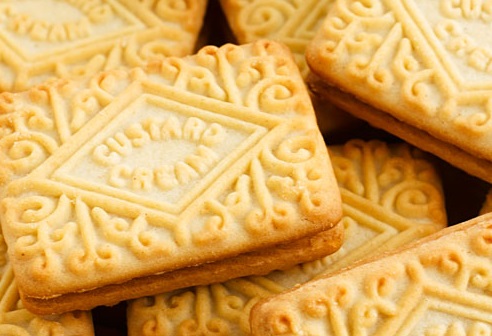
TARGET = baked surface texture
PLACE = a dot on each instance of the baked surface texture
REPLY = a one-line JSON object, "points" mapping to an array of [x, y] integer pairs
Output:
{"points": [[391, 194], [425, 64], [293, 23], [16, 320], [437, 285], [257, 262], [138, 172], [48, 38]]}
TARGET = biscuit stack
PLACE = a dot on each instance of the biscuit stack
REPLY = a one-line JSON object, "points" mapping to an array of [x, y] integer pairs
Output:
{"points": [[225, 189]]}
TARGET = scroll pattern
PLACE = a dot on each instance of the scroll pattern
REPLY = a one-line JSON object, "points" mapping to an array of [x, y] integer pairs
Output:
{"points": [[35, 123], [360, 167], [61, 235], [446, 80], [170, 29], [398, 178], [220, 309], [281, 187], [426, 290], [292, 22], [16, 320], [261, 76]]}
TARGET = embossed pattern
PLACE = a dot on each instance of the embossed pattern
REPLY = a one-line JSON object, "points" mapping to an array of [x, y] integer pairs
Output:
{"points": [[18, 321], [188, 161], [292, 22], [391, 195], [428, 57], [438, 286], [75, 38]]}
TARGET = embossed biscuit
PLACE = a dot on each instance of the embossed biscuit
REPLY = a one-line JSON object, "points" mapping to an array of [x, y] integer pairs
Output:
{"points": [[293, 23], [145, 171], [418, 69], [257, 262], [391, 195], [40, 39], [17, 320], [437, 285]]}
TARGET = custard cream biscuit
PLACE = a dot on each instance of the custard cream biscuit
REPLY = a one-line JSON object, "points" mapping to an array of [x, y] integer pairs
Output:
{"points": [[258, 262], [418, 69], [17, 320], [392, 195], [40, 39], [140, 172], [439, 285]]}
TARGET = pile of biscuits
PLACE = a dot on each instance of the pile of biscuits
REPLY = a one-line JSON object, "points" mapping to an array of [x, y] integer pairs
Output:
{"points": [[232, 167]]}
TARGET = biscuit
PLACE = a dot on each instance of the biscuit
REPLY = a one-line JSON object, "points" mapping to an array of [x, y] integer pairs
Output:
{"points": [[294, 24], [257, 262], [417, 69], [16, 320], [437, 285], [391, 195], [49, 38], [140, 172]]}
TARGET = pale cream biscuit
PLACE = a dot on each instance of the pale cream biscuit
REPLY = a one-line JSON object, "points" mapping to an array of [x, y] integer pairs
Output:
{"points": [[140, 172], [293, 23], [257, 262], [391, 194], [439, 285], [17, 320], [421, 67], [40, 39]]}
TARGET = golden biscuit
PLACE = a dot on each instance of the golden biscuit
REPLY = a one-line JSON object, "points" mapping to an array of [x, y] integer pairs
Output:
{"points": [[418, 69], [294, 24], [48, 38], [18, 321], [438, 285], [140, 172]]}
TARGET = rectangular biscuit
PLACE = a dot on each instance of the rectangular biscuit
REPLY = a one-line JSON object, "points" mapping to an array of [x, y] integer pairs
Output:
{"points": [[437, 285], [139, 172], [392, 195], [47, 38], [417, 69]]}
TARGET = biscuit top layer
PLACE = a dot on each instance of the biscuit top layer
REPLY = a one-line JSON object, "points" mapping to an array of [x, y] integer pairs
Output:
{"points": [[40, 39], [135, 172], [293, 23], [427, 63], [440, 284]]}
